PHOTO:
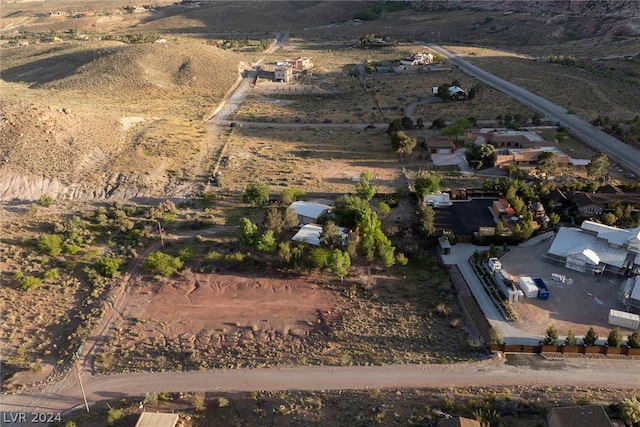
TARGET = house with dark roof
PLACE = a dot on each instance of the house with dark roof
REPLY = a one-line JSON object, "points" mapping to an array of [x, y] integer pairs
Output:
{"points": [[559, 199], [577, 416], [585, 204], [610, 189]]}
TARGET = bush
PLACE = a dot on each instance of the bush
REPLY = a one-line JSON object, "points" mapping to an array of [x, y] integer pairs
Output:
{"points": [[551, 337], [114, 415], [162, 264], [291, 195], [51, 274], [223, 402], [72, 249], [198, 401], [50, 244], [46, 200], [187, 254], [108, 266], [630, 411], [634, 340], [256, 193], [29, 282], [615, 338], [590, 338]]}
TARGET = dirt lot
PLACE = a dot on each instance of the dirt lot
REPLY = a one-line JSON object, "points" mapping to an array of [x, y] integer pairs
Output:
{"points": [[579, 306]]}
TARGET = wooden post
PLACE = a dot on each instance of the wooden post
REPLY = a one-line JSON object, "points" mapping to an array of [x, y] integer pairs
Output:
{"points": [[160, 231]]}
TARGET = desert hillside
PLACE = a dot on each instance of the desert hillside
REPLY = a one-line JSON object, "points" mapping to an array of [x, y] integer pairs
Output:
{"points": [[107, 114]]}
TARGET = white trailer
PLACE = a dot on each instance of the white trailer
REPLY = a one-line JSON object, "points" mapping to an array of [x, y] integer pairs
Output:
{"points": [[527, 286], [624, 319]]}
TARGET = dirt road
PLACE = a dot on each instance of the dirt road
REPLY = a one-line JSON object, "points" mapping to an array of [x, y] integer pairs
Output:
{"points": [[516, 370]]}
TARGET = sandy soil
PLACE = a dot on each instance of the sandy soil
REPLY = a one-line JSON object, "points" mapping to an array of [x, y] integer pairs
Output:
{"points": [[579, 306], [220, 300]]}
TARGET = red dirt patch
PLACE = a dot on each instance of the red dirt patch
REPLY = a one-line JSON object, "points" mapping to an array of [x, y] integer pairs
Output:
{"points": [[217, 300]]}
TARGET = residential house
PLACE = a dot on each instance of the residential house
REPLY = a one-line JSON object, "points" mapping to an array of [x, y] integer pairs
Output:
{"points": [[438, 199], [526, 157], [283, 72], [440, 145], [558, 199], [629, 294], [309, 212], [583, 415], [157, 419], [417, 59], [506, 138], [585, 204], [457, 94], [610, 189], [301, 63]]}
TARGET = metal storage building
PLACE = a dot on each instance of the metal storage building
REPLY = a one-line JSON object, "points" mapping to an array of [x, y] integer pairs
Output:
{"points": [[309, 212]]}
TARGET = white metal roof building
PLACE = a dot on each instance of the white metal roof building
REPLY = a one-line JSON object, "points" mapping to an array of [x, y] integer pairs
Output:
{"points": [[157, 419], [309, 212], [585, 252], [310, 234]]}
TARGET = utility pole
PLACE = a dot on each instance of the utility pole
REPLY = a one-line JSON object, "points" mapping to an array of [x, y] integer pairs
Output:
{"points": [[160, 231], [84, 396]]}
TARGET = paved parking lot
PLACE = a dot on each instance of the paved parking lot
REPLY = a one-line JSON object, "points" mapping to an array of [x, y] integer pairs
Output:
{"points": [[579, 306]]}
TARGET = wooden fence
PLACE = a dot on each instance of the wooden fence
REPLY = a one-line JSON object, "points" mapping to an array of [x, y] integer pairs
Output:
{"points": [[566, 349]]}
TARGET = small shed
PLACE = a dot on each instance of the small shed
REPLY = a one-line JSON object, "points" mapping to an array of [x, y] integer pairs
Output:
{"points": [[308, 212], [527, 286]]}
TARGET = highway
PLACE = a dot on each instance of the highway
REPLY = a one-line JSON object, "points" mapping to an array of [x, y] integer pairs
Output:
{"points": [[623, 154]]}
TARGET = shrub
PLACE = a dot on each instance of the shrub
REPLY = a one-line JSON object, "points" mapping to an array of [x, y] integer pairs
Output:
{"points": [[198, 401], [590, 338], [187, 254], [72, 249], [267, 242], [29, 282], [114, 415], [46, 200], [634, 340], [162, 264], [256, 193], [551, 337], [223, 402], [630, 411], [108, 266], [571, 338], [615, 338], [319, 257], [50, 244], [51, 274], [291, 195]]}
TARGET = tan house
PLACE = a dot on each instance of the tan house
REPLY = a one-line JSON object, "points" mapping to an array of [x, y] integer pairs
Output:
{"points": [[573, 416], [440, 146], [301, 63], [526, 157], [283, 72]]}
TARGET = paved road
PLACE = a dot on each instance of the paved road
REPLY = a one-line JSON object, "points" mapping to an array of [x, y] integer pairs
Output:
{"points": [[617, 150]]}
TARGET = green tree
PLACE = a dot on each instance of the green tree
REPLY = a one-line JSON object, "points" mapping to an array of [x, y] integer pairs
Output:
{"points": [[50, 244], [591, 338], [443, 91], [108, 266], [319, 257], [456, 128], [114, 415], [339, 263], [571, 338], [267, 242], [284, 251], [330, 237], [291, 219], [547, 162], [479, 155], [425, 218], [609, 218], [438, 123], [402, 144], [499, 229], [634, 339], [630, 411], [551, 336], [426, 183], [291, 195], [615, 338], [365, 188], [256, 193], [162, 264], [248, 231], [348, 210], [598, 165], [273, 220]]}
